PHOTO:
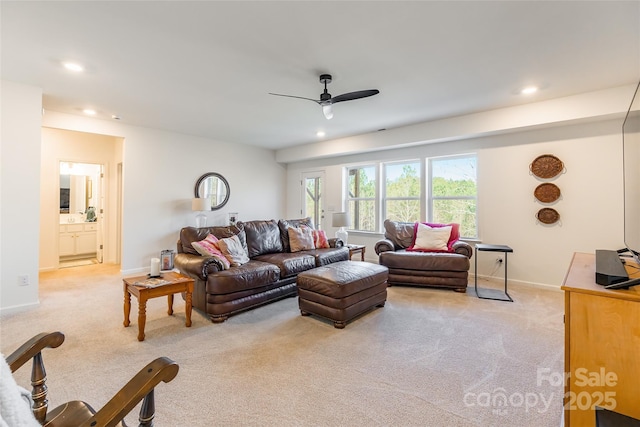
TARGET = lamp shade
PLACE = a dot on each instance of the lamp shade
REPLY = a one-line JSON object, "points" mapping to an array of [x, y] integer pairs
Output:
{"points": [[340, 219], [201, 204]]}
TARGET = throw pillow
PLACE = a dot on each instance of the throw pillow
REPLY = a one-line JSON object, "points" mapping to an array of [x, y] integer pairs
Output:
{"points": [[431, 238], [232, 249], [301, 239], [320, 239], [206, 246], [455, 232], [209, 247]]}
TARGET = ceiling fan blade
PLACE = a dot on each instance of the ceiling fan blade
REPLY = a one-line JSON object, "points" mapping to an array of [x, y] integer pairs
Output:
{"points": [[354, 95], [299, 97]]}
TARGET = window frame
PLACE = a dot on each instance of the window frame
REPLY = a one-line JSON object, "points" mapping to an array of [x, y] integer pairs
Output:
{"points": [[426, 190], [375, 198], [383, 188], [431, 198]]}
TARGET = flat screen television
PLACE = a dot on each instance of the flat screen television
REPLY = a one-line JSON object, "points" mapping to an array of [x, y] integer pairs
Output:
{"points": [[631, 159], [631, 182]]}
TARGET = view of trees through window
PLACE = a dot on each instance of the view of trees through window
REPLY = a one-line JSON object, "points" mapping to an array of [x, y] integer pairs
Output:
{"points": [[361, 198], [451, 193], [313, 206], [402, 191], [454, 192]]}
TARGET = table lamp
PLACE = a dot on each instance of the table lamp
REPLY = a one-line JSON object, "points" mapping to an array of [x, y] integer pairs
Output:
{"points": [[342, 220], [200, 205]]}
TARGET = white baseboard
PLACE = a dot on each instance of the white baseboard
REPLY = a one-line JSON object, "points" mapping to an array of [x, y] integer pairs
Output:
{"points": [[18, 308], [132, 271], [510, 282]]}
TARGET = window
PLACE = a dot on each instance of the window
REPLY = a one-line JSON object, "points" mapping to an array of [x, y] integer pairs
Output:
{"points": [[453, 192], [401, 199], [448, 193], [361, 197]]}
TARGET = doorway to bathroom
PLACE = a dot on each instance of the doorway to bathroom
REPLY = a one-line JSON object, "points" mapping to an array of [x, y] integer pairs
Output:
{"points": [[80, 239]]}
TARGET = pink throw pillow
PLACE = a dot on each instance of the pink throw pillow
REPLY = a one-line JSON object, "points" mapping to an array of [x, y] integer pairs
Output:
{"points": [[453, 237], [320, 239], [209, 247]]}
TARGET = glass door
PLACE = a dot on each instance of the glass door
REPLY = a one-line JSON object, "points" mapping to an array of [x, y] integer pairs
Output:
{"points": [[313, 192]]}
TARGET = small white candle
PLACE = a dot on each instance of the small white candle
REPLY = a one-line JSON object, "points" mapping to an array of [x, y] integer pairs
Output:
{"points": [[155, 267]]}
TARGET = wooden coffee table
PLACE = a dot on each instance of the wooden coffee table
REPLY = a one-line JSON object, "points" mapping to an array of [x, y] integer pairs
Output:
{"points": [[136, 286]]}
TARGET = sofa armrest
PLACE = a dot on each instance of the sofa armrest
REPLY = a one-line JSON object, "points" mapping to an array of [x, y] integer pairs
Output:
{"points": [[463, 248], [195, 266], [384, 245], [334, 242]]}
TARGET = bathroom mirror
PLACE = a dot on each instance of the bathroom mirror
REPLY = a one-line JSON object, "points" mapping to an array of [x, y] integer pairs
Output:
{"points": [[215, 187], [76, 193]]}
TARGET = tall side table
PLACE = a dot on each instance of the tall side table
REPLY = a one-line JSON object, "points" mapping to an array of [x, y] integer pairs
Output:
{"points": [[354, 249], [492, 293]]}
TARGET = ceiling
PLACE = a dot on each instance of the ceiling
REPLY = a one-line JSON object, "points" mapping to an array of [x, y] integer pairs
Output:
{"points": [[206, 68]]}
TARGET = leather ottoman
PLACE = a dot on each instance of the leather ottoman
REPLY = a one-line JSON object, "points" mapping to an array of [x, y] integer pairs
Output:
{"points": [[342, 290]]}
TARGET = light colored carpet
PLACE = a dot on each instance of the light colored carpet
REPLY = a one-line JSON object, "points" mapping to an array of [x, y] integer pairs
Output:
{"points": [[428, 358]]}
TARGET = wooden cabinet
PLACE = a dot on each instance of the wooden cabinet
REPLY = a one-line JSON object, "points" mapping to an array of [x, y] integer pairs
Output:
{"points": [[602, 345], [77, 239]]}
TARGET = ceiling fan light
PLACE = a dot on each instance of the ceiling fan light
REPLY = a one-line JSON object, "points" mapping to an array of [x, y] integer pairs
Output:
{"points": [[327, 111]]}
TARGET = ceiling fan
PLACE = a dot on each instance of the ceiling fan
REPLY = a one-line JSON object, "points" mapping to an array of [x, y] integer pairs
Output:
{"points": [[326, 101]]}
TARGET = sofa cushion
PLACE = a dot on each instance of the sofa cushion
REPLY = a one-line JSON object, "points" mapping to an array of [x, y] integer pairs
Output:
{"points": [[252, 275], [325, 256], [284, 225], [290, 264], [424, 261], [263, 237], [400, 233], [301, 238]]}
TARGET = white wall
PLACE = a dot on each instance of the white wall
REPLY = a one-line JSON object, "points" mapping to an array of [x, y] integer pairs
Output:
{"points": [[590, 207], [21, 114], [79, 147], [160, 172]]}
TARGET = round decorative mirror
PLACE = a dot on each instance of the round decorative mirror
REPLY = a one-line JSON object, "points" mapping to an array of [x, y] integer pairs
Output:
{"points": [[215, 187]]}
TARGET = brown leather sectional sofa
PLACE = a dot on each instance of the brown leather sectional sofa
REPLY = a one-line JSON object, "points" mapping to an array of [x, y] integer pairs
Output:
{"points": [[437, 269], [270, 274]]}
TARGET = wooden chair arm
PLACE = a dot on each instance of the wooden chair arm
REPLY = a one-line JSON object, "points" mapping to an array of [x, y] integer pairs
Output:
{"points": [[139, 387], [31, 348]]}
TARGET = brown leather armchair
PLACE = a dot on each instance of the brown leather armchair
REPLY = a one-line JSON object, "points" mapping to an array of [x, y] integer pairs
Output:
{"points": [[437, 269], [78, 413]]}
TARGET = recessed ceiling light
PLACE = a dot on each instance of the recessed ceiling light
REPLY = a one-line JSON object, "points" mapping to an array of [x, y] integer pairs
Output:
{"points": [[529, 90], [72, 66], [89, 112], [320, 134]]}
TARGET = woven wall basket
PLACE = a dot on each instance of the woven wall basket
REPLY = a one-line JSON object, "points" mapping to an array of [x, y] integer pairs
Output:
{"points": [[548, 216], [547, 192], [546, 166]]}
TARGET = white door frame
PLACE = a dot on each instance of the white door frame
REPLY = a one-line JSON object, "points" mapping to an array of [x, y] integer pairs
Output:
{"points": [[320, 175]]}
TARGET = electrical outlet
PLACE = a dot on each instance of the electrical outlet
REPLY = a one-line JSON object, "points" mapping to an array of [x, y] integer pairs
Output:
{"points": [[23, 280], [499, 261]]}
